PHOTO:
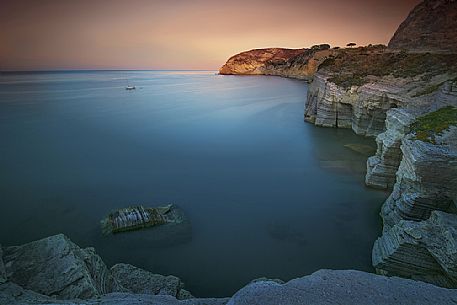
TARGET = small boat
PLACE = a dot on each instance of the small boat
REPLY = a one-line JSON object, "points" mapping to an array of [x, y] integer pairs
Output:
{"points": [[129, 87], [139, 217]]}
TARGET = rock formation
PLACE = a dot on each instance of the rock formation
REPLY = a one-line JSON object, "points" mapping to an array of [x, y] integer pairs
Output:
{"points": [[354, 88], [140, 287], [57, 267], [382, 167], [253, 62], [342, 287], [419, 238], [298, 63], [424, 250], [139, 281], [431, 26]]}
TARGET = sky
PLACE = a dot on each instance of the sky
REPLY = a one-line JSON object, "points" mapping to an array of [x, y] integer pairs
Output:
{"points": [[179, 34]]}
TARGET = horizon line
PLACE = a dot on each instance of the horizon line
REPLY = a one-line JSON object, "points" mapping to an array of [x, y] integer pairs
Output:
{"points": [[94, 70]]}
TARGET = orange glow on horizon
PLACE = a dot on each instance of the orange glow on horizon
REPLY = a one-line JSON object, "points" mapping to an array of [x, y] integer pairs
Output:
{"points": [[180, 34]]}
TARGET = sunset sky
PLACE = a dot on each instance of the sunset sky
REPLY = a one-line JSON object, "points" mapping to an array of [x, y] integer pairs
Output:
{"points": [[178, 34]]}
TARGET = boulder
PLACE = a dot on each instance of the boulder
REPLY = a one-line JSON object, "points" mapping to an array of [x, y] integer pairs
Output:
{"points": [[55, 266], [137, 280]]}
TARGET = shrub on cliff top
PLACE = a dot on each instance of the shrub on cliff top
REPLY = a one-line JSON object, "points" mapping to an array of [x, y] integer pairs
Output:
{"points": [[428, 126], [352, 66]]}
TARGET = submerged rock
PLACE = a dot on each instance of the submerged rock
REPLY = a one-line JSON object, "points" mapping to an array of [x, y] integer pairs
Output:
{"points": [[360, 148], [57, 267], [139, 217], [137, 280]]}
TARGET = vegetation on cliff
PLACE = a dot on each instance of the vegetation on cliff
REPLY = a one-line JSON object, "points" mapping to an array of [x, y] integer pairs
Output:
{"points": [[352, 67], [434, 123]]}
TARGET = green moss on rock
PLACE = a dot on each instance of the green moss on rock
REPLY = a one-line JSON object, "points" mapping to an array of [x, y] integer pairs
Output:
{"points": [[428, 126]]}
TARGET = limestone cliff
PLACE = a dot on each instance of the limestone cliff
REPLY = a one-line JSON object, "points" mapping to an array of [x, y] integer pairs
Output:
{"points": [[354, 88], [431, 26], [420, 216]]}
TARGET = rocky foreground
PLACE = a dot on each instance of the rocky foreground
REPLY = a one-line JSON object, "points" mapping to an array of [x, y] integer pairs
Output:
{"points": [[54, 270], [405, 95]]}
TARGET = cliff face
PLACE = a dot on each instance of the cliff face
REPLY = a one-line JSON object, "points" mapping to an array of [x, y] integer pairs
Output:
{"points": [[420, 216], [431, 26], [298, 63], [254, 61], [354, 88]]}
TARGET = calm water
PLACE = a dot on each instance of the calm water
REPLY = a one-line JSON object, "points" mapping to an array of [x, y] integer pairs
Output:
{"points": [[266, 194]]}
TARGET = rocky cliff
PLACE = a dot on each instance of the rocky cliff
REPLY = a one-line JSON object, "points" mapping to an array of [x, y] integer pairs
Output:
{"points": [[431, 26], [354, 88], [420, 216], [58, 263], [294, 63]]}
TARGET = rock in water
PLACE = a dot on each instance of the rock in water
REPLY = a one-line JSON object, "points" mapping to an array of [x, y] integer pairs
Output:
{"points": [[139, 217], [140, 281], [55, 266], [431, 26], [2, 267]]}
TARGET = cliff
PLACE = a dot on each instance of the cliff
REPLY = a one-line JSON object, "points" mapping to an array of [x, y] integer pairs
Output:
{"points": [[431, 26], [293, 63], [41, 271], [354, 88]]}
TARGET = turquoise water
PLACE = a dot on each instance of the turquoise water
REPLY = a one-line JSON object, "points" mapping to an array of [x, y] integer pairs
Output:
{"points": [[266, 194]]}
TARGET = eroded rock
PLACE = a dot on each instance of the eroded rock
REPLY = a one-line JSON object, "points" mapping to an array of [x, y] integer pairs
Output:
{"points": [[425, 250], [382, 167], [426, 181], [137, 280], [57, 267]]}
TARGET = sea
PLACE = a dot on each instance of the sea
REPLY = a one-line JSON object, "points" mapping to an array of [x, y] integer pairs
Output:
{"points": [[265, 194]]}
